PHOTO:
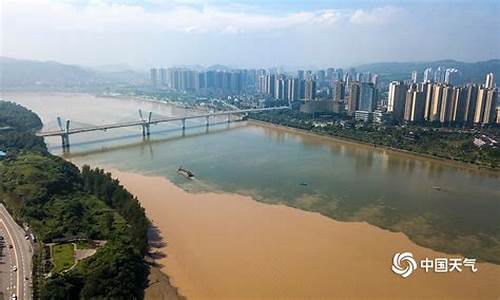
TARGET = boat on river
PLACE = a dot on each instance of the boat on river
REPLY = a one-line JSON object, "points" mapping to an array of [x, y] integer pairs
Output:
{"points": [[185, 172]]}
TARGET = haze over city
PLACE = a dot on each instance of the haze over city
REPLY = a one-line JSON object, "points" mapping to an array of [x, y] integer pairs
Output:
{"points": [[149, 33]]}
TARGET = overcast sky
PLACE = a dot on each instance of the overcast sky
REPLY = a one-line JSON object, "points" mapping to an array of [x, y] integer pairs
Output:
{"points": [[248, 33]]}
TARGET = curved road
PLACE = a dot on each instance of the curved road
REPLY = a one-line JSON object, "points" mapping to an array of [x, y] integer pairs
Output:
{"points": [[19, 255]]}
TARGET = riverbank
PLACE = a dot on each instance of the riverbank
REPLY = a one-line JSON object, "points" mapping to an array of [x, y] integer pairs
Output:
{"points": [[159, 286], [228, 246], [444, 161]]}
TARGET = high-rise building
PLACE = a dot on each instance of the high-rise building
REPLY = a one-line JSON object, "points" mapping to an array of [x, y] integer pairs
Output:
{"points": [[163, 76], [375, 80], [237, 80], [414, 76], [339, 93], [490, 80], [293, 89], [452, 76], [153, 76], [262, 84], [310, 89], [445, 113], [302, 89], [210, 78], [202, 80], [330, 73], [270, 81], [470, 102], [396, 99], [459, 102], [428, 89], [320, 76], [347, 79], [486, 103], [308, 75], [428, 75], [353, 99], [300, 74], [219, 80], [408, 101], [280, 90], [486, 106], [414, 104], [174, 78], [340, 74], [439, 75], [435, 109], [367, 97], [480, 105]]}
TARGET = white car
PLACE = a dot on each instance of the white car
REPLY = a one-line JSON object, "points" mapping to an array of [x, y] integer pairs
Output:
{"points": [[14, 268], [14, 297]]}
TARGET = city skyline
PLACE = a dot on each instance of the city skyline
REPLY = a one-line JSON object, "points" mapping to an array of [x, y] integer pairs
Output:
{"points": [[248, 34], [440, 99]]}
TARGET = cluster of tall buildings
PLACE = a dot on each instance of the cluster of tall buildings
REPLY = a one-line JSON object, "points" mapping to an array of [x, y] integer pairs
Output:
{"points": [[282, 87], [441, 101], [183, 79], [273, 83], [440, 75], [305, 85], [436, 97]]}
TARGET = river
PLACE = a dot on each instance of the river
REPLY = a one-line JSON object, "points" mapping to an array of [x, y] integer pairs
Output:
{"points": [[436, 206]]}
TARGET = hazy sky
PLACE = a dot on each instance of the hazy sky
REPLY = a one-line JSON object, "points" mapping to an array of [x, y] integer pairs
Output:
{"points": [[248, 33]]}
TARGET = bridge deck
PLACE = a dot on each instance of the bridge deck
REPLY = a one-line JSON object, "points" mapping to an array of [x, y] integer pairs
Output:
{"points": [[153, 121]]}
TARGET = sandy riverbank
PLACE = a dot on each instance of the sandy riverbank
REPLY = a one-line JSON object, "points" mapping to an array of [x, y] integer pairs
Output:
{"points": [[422, 156], [227, 246]]}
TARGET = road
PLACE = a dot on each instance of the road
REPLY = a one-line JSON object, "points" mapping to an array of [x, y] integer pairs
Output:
{"points": [[14, 282]]}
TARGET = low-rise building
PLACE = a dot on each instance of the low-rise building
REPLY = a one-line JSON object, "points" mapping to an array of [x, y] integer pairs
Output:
{"points": [[365, 116]]}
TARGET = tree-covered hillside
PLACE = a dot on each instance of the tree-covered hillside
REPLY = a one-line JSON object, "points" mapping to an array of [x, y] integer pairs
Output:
{"points": [[59, 201]]}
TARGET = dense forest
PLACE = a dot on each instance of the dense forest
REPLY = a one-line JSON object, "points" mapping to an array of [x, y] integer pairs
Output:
{"points": [[17, 126], [59, 201], [448, 143]]}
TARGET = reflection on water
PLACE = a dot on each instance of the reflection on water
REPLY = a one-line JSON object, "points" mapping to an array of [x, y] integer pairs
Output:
{"points": [[437, 205]]}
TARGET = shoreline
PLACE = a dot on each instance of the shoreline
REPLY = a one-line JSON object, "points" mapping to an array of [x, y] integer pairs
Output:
{"points": [[207, 256], [422, 156], [159, 284]]}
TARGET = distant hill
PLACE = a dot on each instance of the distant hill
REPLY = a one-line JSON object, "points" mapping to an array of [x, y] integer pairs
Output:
{"points": [[19, 73], [475, 71], [112, 68]]}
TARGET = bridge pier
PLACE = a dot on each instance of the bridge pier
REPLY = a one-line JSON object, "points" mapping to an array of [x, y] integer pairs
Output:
{"points": [[65, 141], [183, 124], [145, 123], [229, 118], [145, 129], [207, 123]]}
